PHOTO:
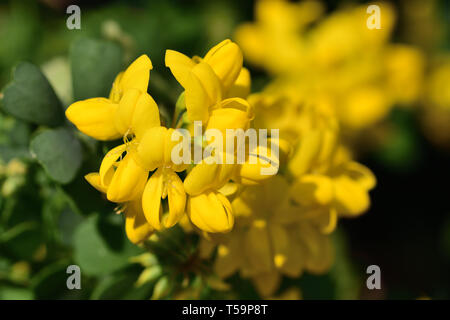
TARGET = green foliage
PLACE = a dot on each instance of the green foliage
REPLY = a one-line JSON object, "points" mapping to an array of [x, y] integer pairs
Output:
{"points": [[30, 97], [59, 152], [94, 254], [94, 64]]}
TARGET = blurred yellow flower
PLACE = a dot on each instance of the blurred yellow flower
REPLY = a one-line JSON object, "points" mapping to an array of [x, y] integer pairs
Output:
{"points": [[338, 60]]}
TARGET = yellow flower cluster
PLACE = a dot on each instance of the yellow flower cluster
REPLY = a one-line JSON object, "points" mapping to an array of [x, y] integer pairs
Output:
{"points": [[140, 174], [337, 60], [283, 225], [265, 226]]}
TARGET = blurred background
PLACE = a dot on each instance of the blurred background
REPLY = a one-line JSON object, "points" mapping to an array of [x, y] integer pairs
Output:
{"points": [[45, 226]]}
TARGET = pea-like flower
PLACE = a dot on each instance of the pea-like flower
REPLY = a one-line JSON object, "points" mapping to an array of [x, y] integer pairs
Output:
{"points": [[128, 110]]}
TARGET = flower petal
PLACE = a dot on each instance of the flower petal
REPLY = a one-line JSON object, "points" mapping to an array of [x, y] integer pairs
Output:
{"points": [[145, 116], [151, 199], [226, 61], [177, 198], [94, 117], [267, 283], [351, 198], [106, 168], [310, 190], [151, 148], [305, 153], [94, 180], [128, 181], [180, 66], [229, 257], [124, 114], [211, 212], [241, 87], [206, 176], [258, 247], [136, 226], [137, 75], [202, 92]]}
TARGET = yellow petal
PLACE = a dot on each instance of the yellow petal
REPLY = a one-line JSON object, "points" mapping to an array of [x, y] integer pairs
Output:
{"points": [[241, 87], [311, 190], [151, 148], [151, 199], [106, 168], [258, 247], [305, 153], [124, 114], [136, 226], [137, 75], [206, 176], [229, 189], [295, 259], [327, 221], [177, 198], [319, 250], [128, 181], [116, 92], [279, 244], [211, 212], [169, 145], [233, 113], [259, 166], [226, 61], [94, 117], [267, 283], [202, 92], [94, 180], [360, 174], [229, 257], [180, 66], [350, 197], [145, 116]]}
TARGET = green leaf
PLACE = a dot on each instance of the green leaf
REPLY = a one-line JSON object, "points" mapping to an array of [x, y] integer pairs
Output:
{"points": [[121, 286], [51, 282], [14, 293], [30, 97], [345, 275], [94, 64], [59, 152], [93, 253]]}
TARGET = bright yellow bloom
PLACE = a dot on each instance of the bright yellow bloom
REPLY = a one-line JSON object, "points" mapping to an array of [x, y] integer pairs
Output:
{"points": [[154, 152], [128, 110], [214, 90], [269, 240], [207, 208], [209, 80], [342, 190], [337, 60], [120, 177]]}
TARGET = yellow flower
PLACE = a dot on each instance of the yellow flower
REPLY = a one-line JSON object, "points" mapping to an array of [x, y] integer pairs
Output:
{"points": [[209, 80], [342, 191], [154, 152], [207, 208], [338, 60], [120, 177], [128, 110], [269, 239]]}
